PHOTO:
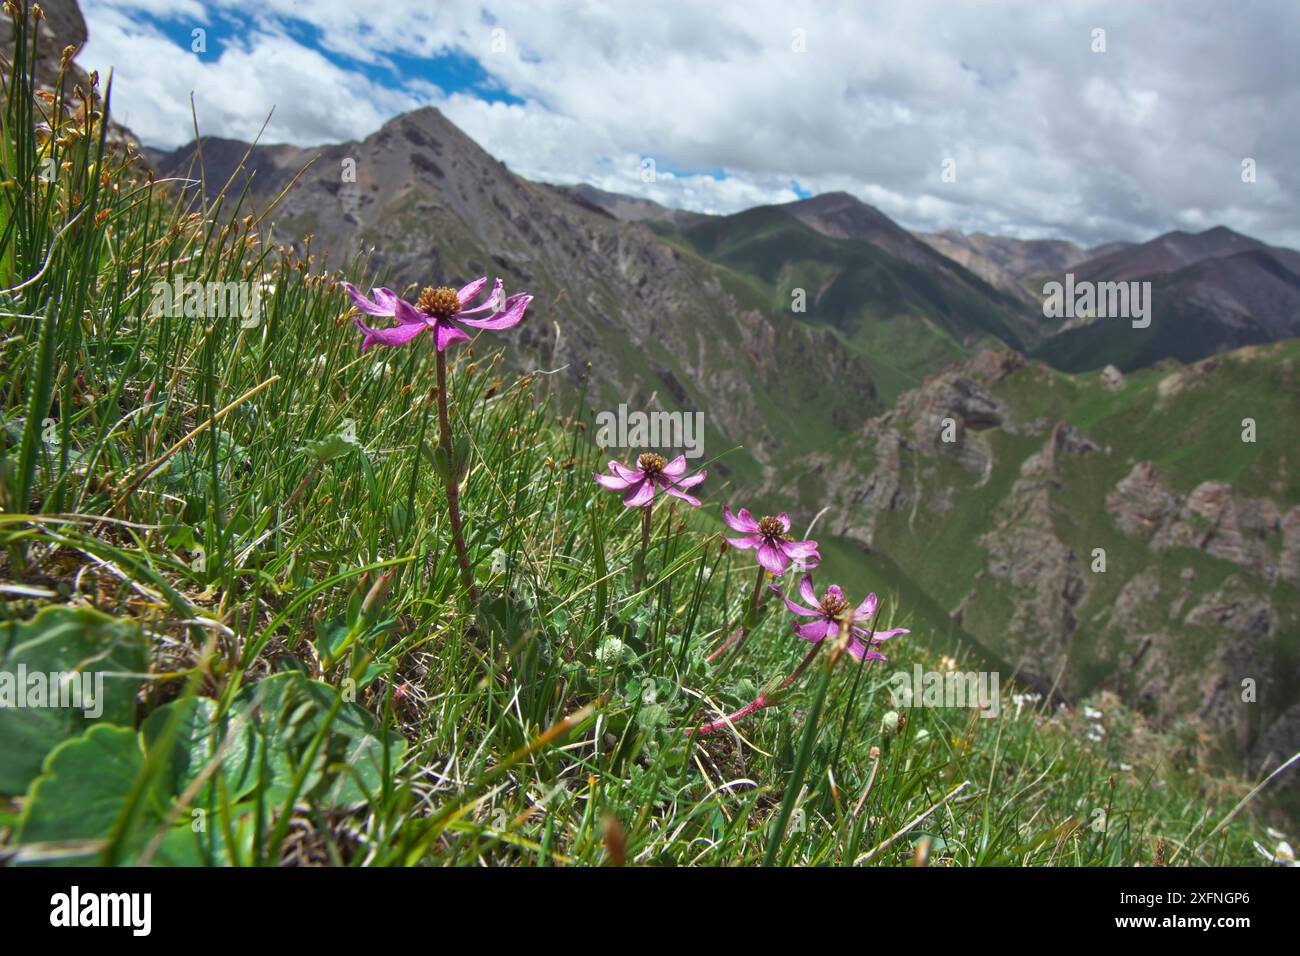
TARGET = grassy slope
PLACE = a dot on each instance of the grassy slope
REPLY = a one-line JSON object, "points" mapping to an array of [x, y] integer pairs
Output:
{"points": [[481, 780]]}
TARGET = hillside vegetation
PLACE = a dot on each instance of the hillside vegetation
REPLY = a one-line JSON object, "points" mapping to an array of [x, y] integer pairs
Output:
{"points": [[242, 521]]}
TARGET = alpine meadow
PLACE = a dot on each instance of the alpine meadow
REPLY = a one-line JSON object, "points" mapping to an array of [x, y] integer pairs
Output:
{"points": [[368, 501]]}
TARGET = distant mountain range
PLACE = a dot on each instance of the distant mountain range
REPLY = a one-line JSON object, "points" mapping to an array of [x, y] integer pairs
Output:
{"points": [[832, 345]]}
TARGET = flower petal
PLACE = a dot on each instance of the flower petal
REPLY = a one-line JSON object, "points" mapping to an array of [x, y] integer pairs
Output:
{"points": [[381, 307], [693, 480], [507, 317], [613, 482], [771, 558], [813, 630], [799, 549], [640, 494], [795, 608], [868, 637], [806, 590], [397, 335], [492, 302], [863, 651], [805, 552], [675, 468], [739, 524], [623, 471], [471, 291], [446, 334], [866, 608], [676, 493], [743, 544], [785, 522]]}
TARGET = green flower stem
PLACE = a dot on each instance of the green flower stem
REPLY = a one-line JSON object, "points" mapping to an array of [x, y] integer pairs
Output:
{"points": [[453, 484], [638, 570]]}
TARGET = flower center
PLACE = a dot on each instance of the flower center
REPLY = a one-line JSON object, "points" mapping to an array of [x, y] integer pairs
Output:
{"points": [[441, 303], [832, 606], [770, 527], [651, 464]]}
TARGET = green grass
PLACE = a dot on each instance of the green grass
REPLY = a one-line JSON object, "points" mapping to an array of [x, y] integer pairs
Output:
{"points": [[204, 492]]}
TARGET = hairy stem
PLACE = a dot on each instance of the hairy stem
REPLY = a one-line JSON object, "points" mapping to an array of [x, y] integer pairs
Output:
{"points": [[639, 570], [453, 484], [759, 702]]}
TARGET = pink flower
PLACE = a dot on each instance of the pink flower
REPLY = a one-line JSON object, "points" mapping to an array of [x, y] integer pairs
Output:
{"points": [[771, 536], [651, 472], [438, 310], [827, 614]]}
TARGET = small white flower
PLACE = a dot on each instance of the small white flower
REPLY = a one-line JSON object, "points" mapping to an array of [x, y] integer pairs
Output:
{"points": [[610, 651], [1282, 856]]}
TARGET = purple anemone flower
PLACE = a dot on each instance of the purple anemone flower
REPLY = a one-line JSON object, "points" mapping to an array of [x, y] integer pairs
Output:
{"points": [[827, 614], [438, 310], [651, 473], [771, 536]]}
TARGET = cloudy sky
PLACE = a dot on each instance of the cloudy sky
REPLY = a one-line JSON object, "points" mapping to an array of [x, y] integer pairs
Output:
{"points": [[1040, 131]]}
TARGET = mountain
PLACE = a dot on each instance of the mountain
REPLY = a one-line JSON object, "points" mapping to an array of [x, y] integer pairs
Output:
{"points": [[62, 26], [836, 263], [429, 206], [628, 208], [1210, 292], [1003, 262], [1172, 252]]}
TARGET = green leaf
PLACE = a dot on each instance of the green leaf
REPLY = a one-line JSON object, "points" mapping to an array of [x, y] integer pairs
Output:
{"points": [[189, 730], [83, 790], [330, 447], [347, 771], [63, 640]]}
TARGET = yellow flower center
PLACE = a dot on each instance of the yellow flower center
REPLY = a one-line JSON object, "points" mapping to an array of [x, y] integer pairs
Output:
{"points": [[441, 303], [651, 464], [833, 606]]}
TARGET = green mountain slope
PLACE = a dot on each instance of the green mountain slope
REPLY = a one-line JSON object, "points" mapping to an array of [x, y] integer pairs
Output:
{"points": [[1096, 536], [908, 317]]}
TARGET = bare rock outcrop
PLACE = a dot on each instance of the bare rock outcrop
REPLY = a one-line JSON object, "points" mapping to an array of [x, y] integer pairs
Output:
{"points": [[1248, 532]]}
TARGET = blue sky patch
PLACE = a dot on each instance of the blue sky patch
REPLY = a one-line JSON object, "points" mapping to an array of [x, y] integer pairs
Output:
{"points": [[451, 70]]}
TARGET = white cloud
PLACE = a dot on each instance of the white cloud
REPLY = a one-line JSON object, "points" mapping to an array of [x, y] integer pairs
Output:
{"points": [[1049, 137]]}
